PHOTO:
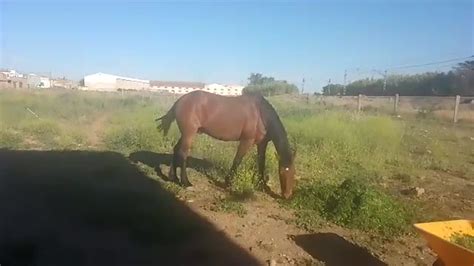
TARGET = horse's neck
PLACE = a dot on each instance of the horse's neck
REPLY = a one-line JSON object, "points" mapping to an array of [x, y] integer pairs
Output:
{"points": [[282, 146], [275, 130]]}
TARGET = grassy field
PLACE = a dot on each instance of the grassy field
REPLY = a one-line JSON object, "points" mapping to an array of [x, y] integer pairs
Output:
{"points": [[351, 166]]}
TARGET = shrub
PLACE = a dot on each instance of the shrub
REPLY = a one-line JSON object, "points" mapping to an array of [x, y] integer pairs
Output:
{"points": [[354, 204]]}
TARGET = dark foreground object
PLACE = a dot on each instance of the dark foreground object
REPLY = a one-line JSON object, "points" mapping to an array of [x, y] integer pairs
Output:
{"points": [[95, 208], [334, 250]]}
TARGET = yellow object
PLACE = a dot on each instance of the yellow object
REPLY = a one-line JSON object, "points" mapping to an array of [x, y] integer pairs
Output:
{"points": [[438, 235]]}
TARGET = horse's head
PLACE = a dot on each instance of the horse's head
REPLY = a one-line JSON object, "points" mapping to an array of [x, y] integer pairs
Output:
{"points": [[287, 174]]}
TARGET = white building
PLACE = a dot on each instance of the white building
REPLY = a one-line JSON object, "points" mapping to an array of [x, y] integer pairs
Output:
{"points": [[107, 82], [175, 87], [179, 87], [35, 81], [11, 73], [221, 89]]}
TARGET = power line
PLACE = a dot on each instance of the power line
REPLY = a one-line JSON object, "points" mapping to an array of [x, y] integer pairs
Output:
{"points": [[361, 71], [431, 63]]}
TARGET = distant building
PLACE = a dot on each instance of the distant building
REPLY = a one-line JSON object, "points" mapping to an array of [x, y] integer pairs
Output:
{"points": [[63, 83], [11, 73], [108, 82], [221, 89], [180, 87], [175, 87], [8, 81], [35, 81]]}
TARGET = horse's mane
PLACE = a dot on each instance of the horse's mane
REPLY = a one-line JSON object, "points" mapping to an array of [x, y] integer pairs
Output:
{"points": [[275, 129]]}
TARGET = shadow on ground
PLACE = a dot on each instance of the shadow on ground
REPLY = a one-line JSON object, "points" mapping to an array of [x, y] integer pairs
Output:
{"points": [[334, 250], [95, 208], [156, 160]]}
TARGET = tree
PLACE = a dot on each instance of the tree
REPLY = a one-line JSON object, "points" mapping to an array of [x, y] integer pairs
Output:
{"points": [[259, 79], [465, 77], [333, 89], [458, 81], [269, 86]]}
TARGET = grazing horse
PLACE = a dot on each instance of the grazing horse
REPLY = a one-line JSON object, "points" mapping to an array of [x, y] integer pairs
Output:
{"points": [[249, 119]]}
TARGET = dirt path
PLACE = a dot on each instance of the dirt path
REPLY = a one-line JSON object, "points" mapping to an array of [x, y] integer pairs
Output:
{"points": [[96, 130]]}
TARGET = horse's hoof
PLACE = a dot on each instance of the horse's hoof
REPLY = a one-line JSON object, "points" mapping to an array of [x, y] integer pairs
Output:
{"points": [[173, 179]]}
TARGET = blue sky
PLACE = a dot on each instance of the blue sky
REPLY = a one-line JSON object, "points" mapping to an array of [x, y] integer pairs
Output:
{"points": [[225, 41]]}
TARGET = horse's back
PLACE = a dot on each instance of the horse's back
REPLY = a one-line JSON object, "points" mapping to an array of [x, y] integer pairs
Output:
{"points": [[222, 117]]}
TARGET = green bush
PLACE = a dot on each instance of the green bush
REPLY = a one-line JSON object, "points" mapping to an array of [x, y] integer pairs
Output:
{"points": [[354, 204]]}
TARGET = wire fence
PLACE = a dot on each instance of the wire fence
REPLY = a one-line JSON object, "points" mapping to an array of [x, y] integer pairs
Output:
{"points": [[449, 108]]}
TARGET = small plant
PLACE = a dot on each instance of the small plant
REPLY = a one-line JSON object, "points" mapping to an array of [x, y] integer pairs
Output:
{"points": [[463, 240], [172, 187], [243, 183], [229, 206]]}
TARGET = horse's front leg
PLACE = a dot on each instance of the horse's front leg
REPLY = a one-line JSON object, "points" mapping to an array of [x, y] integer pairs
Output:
{"points": [[243, 148], [261, 150]]}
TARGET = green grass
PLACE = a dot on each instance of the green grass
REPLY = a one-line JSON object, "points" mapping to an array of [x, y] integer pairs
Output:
{"points": [[9, 138], [333, 144], [463, 240], [343, 159]]}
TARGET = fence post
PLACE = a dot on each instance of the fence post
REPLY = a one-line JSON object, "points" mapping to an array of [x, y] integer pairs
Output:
{"points": [[395, 104], [359, 103], [456, 108]]}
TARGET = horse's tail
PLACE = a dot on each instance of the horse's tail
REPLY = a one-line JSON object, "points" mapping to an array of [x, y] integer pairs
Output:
{"points": [[167, 120]]}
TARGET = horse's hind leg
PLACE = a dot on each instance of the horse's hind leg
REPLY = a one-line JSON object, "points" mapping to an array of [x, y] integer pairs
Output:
{"points": [[183, 153], [175, 161]]}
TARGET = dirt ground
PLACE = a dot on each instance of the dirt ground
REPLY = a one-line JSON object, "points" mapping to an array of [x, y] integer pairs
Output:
{"points": [[267, 232]]}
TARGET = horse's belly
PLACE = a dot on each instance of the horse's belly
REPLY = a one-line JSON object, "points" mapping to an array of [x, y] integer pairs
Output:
{"points": [[221, 134]]}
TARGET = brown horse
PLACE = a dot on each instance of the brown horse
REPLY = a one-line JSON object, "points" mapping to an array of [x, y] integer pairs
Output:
{"points": [[249, 118]]}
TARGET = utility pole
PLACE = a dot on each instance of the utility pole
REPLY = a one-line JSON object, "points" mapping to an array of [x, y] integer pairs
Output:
{"points": [[302, 86], [329, 87], [345, 78]]}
